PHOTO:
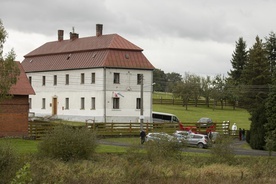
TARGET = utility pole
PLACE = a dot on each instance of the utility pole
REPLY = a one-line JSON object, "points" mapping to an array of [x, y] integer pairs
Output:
{"points": [[141, 102]]}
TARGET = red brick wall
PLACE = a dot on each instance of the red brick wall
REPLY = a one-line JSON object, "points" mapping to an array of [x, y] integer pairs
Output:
{"points": [[14, 116]]}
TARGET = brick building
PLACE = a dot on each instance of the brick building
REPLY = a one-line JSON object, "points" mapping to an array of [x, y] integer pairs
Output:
{"points": [[14, 112]]}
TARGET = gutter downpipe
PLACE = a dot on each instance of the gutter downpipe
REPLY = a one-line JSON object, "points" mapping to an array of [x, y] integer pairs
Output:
{"points": [[104, 94]]}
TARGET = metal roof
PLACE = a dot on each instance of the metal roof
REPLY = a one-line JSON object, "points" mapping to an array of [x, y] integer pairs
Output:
{"points": [[89, 52]]}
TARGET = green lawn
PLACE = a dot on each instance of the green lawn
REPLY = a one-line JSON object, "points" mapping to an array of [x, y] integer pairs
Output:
{"points": [[238, 116]]}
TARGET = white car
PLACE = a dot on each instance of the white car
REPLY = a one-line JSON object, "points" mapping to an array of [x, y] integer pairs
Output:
{"points": [[157, 136], [199, 140]]}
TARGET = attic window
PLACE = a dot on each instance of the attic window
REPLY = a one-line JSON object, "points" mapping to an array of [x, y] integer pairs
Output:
{"points": [[94, 55], [68, 56], [127, 56]]}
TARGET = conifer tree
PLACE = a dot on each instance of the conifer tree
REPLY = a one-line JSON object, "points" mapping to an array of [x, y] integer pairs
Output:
{"points": [[238, 60]]}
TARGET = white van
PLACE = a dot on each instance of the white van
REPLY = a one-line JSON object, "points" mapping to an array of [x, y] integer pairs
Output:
{"points": [[161, 117]]}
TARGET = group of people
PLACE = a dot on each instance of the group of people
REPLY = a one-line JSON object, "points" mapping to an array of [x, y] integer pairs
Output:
{"points": [[241, 132]]}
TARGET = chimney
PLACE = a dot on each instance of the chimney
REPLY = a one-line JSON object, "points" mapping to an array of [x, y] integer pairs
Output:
{"points": [[99, 29], [60, 35], [73, 36]]}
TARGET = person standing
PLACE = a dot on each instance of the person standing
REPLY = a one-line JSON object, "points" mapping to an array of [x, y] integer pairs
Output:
{"points": [[240, 134], [243, 134], [234, 129], [143, 136]]}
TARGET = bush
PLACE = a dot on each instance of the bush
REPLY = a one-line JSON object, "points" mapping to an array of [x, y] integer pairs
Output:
{"points": [[8, 162], [163, 149], [222, 151], [68, 143]]}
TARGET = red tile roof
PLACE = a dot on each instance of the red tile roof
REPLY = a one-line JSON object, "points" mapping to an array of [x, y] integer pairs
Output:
{"points": [[22, 86], [89, 52]]}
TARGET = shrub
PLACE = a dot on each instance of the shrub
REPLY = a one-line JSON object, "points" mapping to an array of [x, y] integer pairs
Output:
{"points": [[68, 143], [222, 151], [8, 162], [163, 149]]}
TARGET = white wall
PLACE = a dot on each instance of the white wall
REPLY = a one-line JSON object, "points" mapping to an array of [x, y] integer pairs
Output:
{"points": [[128, 87]]}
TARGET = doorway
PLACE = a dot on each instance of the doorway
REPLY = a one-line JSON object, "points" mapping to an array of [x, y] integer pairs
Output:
{"points": [[54, 107]]}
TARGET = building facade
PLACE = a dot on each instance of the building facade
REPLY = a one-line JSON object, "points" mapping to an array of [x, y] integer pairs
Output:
{"points": [[96, 79]]}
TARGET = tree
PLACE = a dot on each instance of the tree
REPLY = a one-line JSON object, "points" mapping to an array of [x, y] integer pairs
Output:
{"points": [[160, 80], [172, 79], [257, 130], [9, 70], [184, 90], [256, 77], [206, 89], [270, 127], [238, 60], [194, 80], [270, 47], [218, 90]]}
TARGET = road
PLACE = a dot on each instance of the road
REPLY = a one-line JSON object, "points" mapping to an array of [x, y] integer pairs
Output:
{"points": [[237, 146]]}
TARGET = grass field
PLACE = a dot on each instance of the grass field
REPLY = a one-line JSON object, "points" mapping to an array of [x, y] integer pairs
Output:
{"points": [[238, 116]]}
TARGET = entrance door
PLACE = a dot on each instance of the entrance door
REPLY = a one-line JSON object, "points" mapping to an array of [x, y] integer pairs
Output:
{"points": [[54, 107]]}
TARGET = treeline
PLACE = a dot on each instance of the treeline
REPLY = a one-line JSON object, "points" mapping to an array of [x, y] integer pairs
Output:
{"points": [[191, 87], [251, 83]]}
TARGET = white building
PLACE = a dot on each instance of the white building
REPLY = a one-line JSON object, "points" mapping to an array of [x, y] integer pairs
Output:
{"points": [[96, 78]]}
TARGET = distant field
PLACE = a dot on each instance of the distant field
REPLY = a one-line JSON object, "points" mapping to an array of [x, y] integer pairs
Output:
{"points": [[238, 116]]}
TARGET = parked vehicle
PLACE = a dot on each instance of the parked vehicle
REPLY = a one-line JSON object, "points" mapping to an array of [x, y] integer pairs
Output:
{"points": [[161, 117], [199, 140], [204, 122], [192, 139], [159, 136]]}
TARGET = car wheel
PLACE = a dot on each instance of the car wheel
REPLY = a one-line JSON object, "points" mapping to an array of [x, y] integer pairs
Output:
{"points": [[200, 145]]}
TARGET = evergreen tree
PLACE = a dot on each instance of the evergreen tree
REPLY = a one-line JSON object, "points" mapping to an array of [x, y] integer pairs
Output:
{"points": [[238, 60], [270, 46], [270, 127], [257, 130], [270, 105], [255, 77]]}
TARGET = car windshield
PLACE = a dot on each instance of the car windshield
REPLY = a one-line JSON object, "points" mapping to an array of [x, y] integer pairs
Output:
{"points": [[205, 120]]}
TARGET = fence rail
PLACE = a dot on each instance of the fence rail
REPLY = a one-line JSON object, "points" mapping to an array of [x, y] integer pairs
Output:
{"points": [[38, 129], [177, 101]]}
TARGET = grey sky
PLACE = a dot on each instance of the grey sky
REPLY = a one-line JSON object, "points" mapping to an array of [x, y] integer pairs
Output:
{"points": [[177, 36]]}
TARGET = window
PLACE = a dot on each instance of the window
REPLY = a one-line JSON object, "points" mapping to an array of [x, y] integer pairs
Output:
{"points": [[93, 78], [43, 80], [66, 103], [82, 78], [30, 80], [139, 78], [43, 103], [138, 103], [116, 103], [67, 79], [55, 80], [82, 103], [30, 103], [93, 103], [116, 78]]}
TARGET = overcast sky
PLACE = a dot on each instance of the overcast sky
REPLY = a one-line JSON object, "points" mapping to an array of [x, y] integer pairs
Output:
{"points": [[195, 36]]}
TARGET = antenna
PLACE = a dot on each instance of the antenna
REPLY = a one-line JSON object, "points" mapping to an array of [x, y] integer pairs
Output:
{"points": [[73, 29]]}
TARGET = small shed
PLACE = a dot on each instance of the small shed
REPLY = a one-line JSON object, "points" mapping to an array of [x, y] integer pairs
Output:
{"points": [[14, 111]]}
